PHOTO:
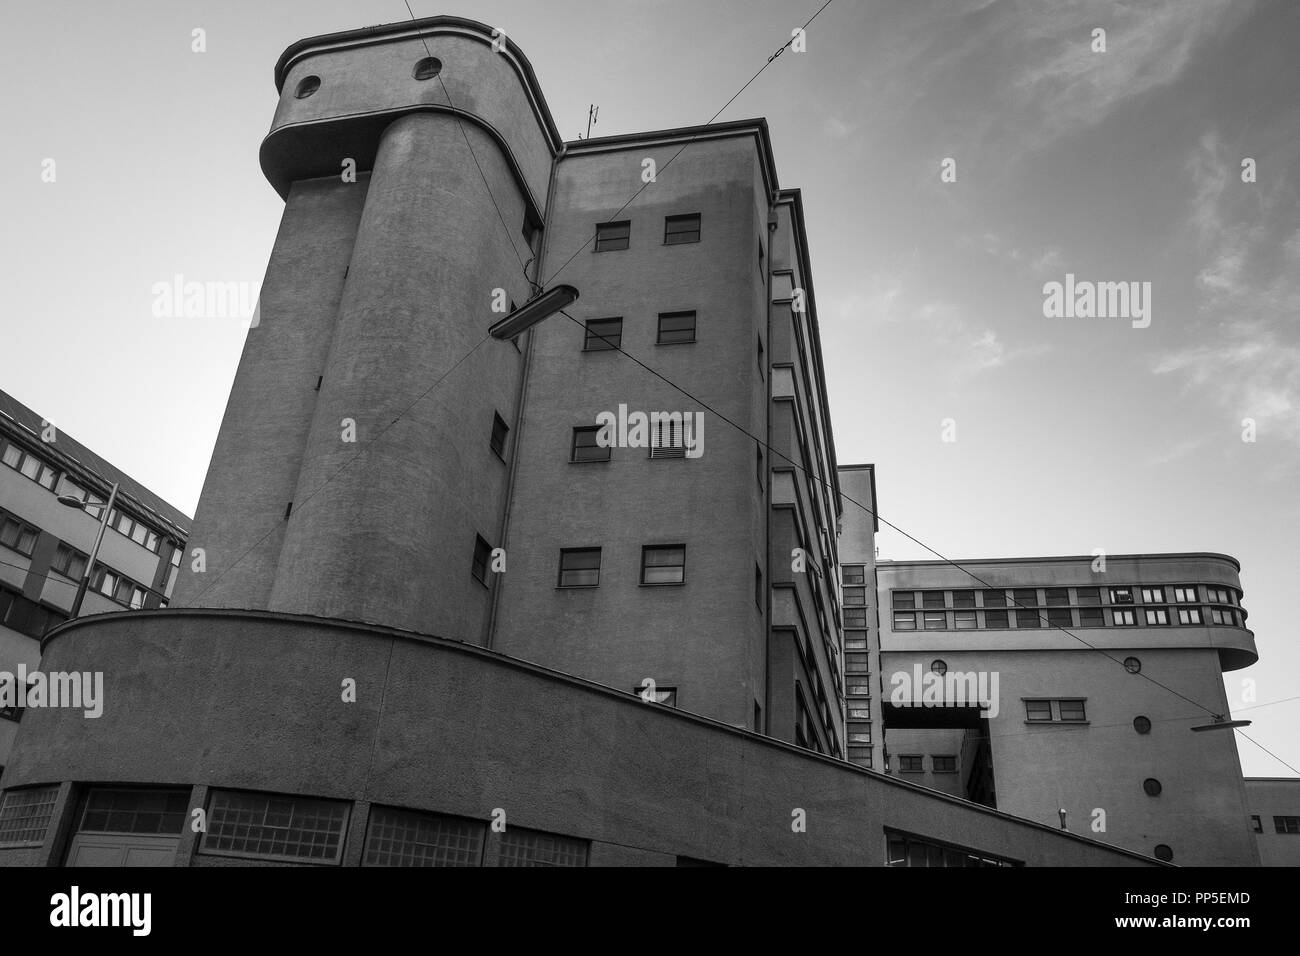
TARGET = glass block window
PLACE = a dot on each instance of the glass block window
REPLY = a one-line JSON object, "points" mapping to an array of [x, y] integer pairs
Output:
{"points": [[407, 838], [130, 810], [25, 815], [534, 848], [275, 827]]}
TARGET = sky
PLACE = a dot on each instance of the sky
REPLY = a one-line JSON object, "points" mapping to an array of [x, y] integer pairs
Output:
{"points": [[996, 430]]}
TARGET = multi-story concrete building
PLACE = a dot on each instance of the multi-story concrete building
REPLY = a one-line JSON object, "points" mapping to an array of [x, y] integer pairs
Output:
{"points": [[44, 545], [426, 594], [858, 529], [1070, 685], [1274, 804]]}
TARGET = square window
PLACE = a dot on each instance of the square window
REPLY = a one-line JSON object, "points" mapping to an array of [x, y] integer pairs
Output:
{"points": [[676, 328], [1071, 710], [585, 446], [1123, 618], [910, 763], [1038, 710], [1189, 615], [579, 568], [613, 236], [499, 432], [1153, 595], [1088, 595], [679, 229], [963, 598], [964, 620], [1028, 619], [663, 564], [855, 597], [1156, 615], [936, 620], [903, 599], [944, 763], [603, 335], [905, 620], [853, 574], [996, 619], [855, 617], [482, 553], [932, 599]]}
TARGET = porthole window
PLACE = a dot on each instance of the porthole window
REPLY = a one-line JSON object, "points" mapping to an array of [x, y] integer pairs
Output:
{"points": [[1142, 725], [939, 667], [427, 68], [1164, 853], [307, 86], [1152, 787], [1132, 665]]}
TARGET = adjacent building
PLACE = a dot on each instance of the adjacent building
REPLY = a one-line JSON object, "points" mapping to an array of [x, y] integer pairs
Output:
{"points": [[44, 545], [1274, 804], [1065, 690]]}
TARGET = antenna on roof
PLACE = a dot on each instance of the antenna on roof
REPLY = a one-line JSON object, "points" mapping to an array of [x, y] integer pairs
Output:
{"points": [[592, 112]]}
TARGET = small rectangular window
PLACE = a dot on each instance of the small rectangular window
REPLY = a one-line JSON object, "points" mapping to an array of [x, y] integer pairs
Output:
{"points": [[903, 599], [995, 598], [1027, 597], [1121, 595], [499, 432], [13, 455], [932, 599], [1060, 617], [1217, 596], [936, 620], [603, 335], [1153, 595], [855, 597], [856, 662], [1156, 615], [1256, 823], [905, 620], [676, 328], [1071, 710], [579, 568], [679, 229], [963, 598], [1123, 618], [1038, 710], [1027, 619], [964, 620], [1185, 595], [1288, 824], [613, 236], [1091, 617], [853, 574], [663, 564], [911, 763], [1057, 597], [1088, 595], [585, 446], [1189, 615], [482, 553], [944, 764], [855, 617], [996, 619]]}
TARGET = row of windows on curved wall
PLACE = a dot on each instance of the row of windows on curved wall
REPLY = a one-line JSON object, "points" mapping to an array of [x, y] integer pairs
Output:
{"points": [[1066, 597], [52, 479], [287, 828], [1174, 616]]}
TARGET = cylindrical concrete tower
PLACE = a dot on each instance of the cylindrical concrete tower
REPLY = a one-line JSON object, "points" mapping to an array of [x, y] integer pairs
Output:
{"points": [[357, 465]]}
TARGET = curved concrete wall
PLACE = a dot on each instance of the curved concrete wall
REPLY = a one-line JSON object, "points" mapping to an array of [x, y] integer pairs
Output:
{"points": [[253, 701]]}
